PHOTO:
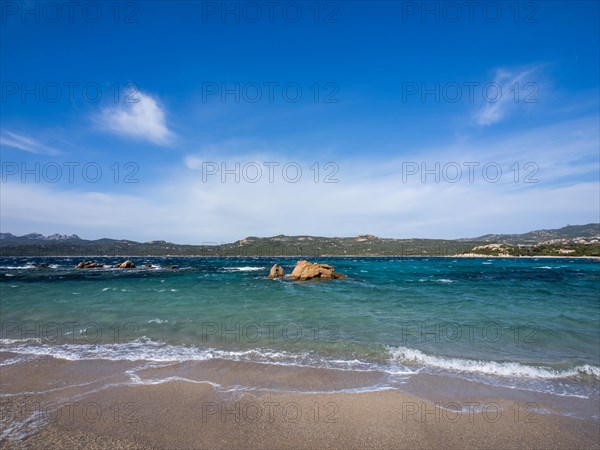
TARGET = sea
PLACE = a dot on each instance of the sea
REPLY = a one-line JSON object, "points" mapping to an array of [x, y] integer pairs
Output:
{"points": [[525, 324]]}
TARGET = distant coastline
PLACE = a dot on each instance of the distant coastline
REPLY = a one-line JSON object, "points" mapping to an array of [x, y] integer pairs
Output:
{"points": [[463, 255], [569, 241]]}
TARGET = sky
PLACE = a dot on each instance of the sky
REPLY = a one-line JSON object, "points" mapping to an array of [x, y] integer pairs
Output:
{"points": [[197, 122]]}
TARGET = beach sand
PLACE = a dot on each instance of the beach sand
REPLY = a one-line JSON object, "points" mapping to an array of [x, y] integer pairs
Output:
{"points": [[226, 404]]}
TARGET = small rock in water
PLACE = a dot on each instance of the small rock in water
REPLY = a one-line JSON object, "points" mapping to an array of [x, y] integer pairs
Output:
{"points": [[88, 265], [125, 265], [276, 271]]}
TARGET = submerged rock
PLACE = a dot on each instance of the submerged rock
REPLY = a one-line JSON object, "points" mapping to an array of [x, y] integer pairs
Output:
{"points": [[305, 270], [276, 271]]}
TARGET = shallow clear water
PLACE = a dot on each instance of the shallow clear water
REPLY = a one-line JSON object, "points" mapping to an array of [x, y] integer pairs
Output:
{"points": [[528, 323]]}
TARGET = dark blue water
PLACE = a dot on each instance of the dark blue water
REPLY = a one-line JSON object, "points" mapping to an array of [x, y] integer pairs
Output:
{"points": [[532, 323]]}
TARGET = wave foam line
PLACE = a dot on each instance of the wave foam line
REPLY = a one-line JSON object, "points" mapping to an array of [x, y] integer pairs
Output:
{"points": [[504, 369]]}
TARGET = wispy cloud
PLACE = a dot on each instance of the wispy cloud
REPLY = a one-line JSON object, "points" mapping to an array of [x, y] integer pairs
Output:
{"points": [[509, 89], [142, 119], [25, 143]]}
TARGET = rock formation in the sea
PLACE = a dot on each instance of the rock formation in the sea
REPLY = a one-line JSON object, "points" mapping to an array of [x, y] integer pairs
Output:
{"points": [[125, 265], [304, 270], [276, 271], [88, 265]]}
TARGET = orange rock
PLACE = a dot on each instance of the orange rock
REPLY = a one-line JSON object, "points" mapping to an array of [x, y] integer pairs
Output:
{"points": [[125, 265], [88, 265], [304, 270], [276, 271]]}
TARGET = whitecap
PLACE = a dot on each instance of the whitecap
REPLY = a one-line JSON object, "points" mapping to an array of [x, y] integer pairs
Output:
{"points": [[243, 269]]}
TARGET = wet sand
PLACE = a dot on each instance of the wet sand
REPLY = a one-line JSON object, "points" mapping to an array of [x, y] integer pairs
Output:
{"points": [[226, 404]]}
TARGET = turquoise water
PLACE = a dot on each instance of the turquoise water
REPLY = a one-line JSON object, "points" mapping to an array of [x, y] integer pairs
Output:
{"points": [[530, 323]]}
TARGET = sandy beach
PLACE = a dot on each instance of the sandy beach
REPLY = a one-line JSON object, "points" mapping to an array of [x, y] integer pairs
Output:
{"points": [[226, 404], [299, 225]]}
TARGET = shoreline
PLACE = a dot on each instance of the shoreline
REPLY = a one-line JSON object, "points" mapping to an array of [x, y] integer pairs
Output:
{"points": [[225, 404], [464, 255]]}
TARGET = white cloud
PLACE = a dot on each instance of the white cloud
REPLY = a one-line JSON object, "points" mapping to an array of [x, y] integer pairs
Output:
{"points": [[508, 90], [143, 119], [190, 211], [26, 144], [370, 197]]}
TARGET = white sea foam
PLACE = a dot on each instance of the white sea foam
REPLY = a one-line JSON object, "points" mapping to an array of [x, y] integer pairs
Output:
{"points": [[21, 429], [135, 379], [504, 369], [140, 349], [8, 341], [243, 269], [440, 280], [145, 349], [45, 391], [402, 360], [16, 360]]}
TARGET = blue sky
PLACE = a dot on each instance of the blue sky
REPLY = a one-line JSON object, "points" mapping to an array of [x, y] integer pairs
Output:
{"points": [[117, 119]]}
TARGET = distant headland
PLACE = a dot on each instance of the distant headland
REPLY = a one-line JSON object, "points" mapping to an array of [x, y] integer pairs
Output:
{"points": [[571, 240]]}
